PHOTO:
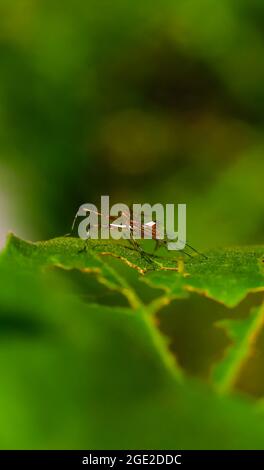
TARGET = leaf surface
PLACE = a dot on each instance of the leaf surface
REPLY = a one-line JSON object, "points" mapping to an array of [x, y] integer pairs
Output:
{"points": [[243, 334], [76, 375], [226, 275]]}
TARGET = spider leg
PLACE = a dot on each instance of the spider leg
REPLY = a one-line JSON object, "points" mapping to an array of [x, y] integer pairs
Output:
{"points": [[160, 242], [138, 248], [196, 251]]}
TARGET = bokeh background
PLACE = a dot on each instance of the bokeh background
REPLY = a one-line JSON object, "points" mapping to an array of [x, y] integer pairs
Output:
{"points": [[144, 101], [148, 101]]}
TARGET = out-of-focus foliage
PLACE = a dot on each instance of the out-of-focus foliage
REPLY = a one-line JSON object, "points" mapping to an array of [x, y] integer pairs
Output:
{"points": [[142, 101], [244, 334], [150, 101], [75, 373]]}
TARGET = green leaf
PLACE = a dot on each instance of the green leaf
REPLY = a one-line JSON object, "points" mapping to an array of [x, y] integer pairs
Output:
{"points": [[88, 376], [80, 254], [91, 257], [226, 275], [70, 253], [243, 334]]}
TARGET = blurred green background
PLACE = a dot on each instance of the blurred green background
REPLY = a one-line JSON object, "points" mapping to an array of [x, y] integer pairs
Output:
{"points": [[145, 101], [150, 101]]}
